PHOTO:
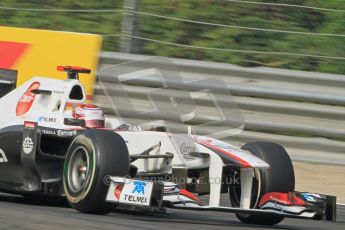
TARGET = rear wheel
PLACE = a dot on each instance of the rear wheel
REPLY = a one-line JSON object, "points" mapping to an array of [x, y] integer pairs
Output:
{"points": [[92, 157], [279, 177]]}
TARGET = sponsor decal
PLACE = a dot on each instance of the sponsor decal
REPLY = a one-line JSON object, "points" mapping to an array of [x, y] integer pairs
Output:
{"points": [[29, 125], [226, 150], [3, 158], [186, 150], [49, 132], [139, 187], [25, 102], [131, 192], [66, 133], [59, 132], [316, 195], [286, 202], [136, 199], [308, 197], [47, 119], [223, 145], [279, 198], [117, 191], [28, 145], [59, 91]]}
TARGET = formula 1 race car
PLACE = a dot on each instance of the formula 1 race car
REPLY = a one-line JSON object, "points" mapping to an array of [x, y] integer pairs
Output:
{"points": [[54, 144]]}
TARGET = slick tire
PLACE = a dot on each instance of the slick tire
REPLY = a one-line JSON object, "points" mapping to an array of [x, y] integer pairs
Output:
{"points": [[91, 158], [279, 177]]}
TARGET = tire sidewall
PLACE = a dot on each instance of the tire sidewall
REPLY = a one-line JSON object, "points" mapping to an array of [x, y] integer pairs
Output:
{"points": [[279, 177], [110, 157], [75, 197]]}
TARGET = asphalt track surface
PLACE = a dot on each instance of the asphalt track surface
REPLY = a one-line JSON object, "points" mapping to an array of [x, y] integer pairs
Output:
{"points": [[19, 213]]}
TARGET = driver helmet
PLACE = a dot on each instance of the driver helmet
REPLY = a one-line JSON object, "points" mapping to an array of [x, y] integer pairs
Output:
{"points": [[92, 114]]}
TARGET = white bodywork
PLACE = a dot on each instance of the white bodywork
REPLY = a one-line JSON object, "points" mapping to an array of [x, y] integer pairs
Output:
{"points": [[49, 110]]}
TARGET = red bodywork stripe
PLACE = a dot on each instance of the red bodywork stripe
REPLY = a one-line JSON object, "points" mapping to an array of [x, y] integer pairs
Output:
{"points": [[190, 195], [10, 52], [231, 155], [288, 199]]}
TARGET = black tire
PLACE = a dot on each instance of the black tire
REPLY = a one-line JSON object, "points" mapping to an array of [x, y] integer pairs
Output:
{"points": [[92, 156], [279, 177]]}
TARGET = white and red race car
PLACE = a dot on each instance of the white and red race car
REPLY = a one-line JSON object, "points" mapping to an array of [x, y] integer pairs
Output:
{"points": [[52, 143]]}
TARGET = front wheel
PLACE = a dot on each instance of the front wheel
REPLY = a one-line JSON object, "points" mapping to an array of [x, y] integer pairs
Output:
{"points": [[92, 156], [279, 177]]}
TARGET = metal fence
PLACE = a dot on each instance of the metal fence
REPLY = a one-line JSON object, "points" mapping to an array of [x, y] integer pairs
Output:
{"points": [[303, 111]]}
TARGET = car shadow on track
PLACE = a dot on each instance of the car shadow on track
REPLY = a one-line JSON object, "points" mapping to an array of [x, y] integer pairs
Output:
{"points": [[34, 200], [184, 217]]}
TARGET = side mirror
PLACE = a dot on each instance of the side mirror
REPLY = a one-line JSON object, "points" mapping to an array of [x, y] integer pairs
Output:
{"points": [[74, 122]]}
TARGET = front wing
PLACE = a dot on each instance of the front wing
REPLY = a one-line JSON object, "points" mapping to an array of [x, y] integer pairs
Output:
{"points": [[150, 195]]}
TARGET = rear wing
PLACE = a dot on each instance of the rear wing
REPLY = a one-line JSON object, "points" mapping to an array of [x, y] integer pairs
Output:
{"points": [[73, 71]]}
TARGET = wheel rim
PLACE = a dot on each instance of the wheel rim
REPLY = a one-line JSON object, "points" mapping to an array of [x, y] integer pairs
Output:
{"points": [[78, 169], [236, 191]]}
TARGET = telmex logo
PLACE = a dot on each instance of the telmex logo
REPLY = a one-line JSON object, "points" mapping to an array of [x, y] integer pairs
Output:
{"points": [[25, 102], [47, 119], [139, 187]]}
